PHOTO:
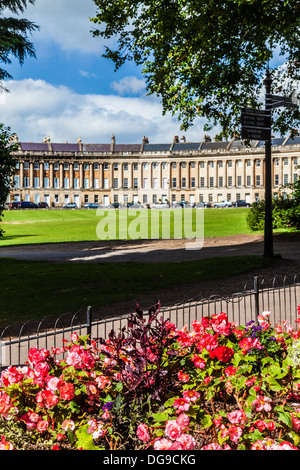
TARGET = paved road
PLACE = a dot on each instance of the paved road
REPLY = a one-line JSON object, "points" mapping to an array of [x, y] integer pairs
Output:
{"points": [[287, 245]]}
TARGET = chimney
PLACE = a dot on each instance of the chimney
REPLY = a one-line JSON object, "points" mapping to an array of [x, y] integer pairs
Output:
{"points": [[176, 139], [46, 140], [183, 138], [113, 143], [207, 138], [144, 141], [79, 142]]}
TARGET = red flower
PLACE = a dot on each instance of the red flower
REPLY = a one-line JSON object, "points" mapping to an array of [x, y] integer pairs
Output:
{"points": [[223, 353], [67, 391]]}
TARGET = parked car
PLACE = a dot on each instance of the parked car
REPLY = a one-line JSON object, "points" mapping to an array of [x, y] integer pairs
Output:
{"points": [[182, 204], [204, 205], [70, 205], [242, 203], [137, 206], [91, 205], [43, 205], [223, 204], [23, 205], [161, 205]]}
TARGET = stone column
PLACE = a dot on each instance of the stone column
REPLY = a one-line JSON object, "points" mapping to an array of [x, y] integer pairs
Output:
{"points": [[21, 174], [61, 175], [41, 175], [80, 175], [31, 174], [71, 172], [91, 185]]}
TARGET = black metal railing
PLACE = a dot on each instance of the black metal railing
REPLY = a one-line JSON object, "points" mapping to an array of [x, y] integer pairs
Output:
{"points": [[279, 295]]}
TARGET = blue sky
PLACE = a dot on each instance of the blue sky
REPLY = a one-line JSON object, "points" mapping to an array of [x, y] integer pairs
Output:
{"points": [[70, 91]]}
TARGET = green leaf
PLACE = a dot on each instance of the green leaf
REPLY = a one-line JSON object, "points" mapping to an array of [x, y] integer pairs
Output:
{"points": [[206, 421], [85, 440], [285, 418], [274, 384], [164, 416]]}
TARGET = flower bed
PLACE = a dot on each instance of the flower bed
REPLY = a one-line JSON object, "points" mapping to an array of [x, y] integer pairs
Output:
{"points": [[152, 386]]}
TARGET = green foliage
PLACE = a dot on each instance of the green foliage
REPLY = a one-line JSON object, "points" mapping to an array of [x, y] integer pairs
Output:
{"points": [[7, 166], [205, 59], [285, 210], [14, 34], [218, 386]]}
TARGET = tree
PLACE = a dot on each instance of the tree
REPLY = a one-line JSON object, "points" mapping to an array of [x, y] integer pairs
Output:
{"points": [[13, 42], [206, 58], [7, 165], [14, 34]]}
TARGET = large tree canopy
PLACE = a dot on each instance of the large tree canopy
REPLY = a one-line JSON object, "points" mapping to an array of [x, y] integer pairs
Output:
{"points": [[206, 58], [14, 33]]}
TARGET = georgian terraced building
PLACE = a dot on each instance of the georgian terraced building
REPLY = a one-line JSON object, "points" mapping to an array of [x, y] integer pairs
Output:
{"points": [[207, 171]]}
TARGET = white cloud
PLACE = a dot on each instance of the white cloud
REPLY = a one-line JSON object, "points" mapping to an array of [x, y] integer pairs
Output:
{"points": [[86, 74], [65, 22], [35, 109], [129, 86]]}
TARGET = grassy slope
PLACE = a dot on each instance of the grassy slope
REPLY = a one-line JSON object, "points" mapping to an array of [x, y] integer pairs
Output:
{"points": [[23, 227], [31, 289], [36, 289]]}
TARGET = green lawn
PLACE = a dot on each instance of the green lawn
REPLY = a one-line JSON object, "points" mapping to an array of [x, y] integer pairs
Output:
{"points": [[42, 226], [32, 289]]}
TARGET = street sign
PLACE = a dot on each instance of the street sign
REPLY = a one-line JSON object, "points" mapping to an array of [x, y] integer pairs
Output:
{"points": [[278, 101], [256, 120], [255, 133], [256, 124]]}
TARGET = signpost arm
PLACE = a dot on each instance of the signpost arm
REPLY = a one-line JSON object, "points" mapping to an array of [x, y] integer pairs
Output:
{"points": [[268, 234]]}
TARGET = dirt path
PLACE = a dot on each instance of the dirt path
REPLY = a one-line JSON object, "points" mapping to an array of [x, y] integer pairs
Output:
{"points": [[287, 245]]}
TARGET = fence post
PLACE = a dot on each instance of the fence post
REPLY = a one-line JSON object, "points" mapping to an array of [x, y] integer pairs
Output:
{"points": [[89, 323], [256, 296]]}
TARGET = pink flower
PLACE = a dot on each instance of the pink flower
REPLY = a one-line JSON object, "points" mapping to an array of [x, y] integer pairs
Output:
{"points": [[295, 423], [35, 355], [230, 370], [261, 425], [41, 369], [262, 403], [285, 445], [67, 391], [186, 441], [198, 361], [11, 376], [258, 445], [74, 337], [142, 432], [190, 395], [54, 383], [68, 424], [183, 421], [235, 433], [183, 377], [181, 404], [47, 398], [172, 429], [5, 402], [162, 444], [42, 426], [5, 445], [237, 417], [214, 446]]}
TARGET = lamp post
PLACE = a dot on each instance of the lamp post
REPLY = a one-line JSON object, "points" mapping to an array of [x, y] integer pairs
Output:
{"points": [[268, 233]]}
